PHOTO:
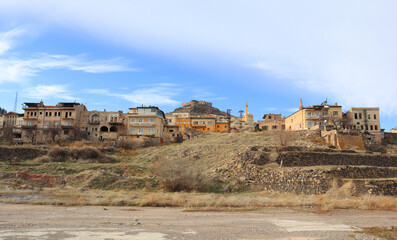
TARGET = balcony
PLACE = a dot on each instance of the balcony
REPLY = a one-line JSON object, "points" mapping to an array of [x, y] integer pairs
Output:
{"points": [[314, 117], [115, 122], [143, 124], [199, 124], [93, 122], [29, 126], [67, 126]]}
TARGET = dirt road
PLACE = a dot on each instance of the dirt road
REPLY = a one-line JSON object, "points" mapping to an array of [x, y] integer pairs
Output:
{"points": [[51, 222]]}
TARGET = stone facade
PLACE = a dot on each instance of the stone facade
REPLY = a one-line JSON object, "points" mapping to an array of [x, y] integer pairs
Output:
{"points": [[145, 122], [366, 120], [272, 122], [311, 117], [42, 124], [103, 125]]}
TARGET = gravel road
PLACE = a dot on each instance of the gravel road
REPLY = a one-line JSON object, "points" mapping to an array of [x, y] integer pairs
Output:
{"points": [[52, 222]]}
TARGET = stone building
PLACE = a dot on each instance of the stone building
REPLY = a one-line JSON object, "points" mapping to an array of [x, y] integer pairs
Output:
{"points": [[104, 125], [42, 124], [145, 122], [247, 117], [366, 120], [10, 127], [314, 116], [272, 122], [199, 123]]}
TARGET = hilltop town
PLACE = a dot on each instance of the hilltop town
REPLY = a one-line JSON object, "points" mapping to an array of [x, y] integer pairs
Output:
{"points": [[68, 122]]}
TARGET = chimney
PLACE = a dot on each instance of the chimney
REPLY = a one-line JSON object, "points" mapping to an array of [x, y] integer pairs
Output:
{"points": [[301, 105]]}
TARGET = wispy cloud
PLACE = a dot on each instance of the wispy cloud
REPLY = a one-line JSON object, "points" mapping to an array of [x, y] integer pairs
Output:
{"points": [[156, 95], [44, 92], [15, 68], [7, 39]]}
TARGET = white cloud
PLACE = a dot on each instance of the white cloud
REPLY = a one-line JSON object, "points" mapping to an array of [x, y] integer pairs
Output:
{"points": [[7, 39], [43, 92], [341, 49], [157, 95], [16, 68]]}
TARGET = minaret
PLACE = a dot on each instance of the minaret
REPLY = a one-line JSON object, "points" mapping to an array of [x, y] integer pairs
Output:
{"points": [[301, 105], [246, 108]]}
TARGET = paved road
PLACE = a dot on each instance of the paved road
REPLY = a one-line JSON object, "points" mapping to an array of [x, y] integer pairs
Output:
{"points": [[50, 222]]}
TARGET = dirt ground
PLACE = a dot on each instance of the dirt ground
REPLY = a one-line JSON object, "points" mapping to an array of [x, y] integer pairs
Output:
{"points": [[95, 222]]}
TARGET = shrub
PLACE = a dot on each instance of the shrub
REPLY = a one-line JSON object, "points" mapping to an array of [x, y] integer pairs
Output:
{"points": [[58, 154], [127, 144], [175, 176]]}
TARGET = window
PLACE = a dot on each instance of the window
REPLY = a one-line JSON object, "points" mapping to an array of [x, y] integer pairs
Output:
{"points": [[355, 116], [184, 122], [132, 120], [372, 127], [153, 110], [366, 127], [270, 117], [195, 122], [264, 127], [202, 123], [132, 130], [177, 122], [335, 113], [376, 127], [362, 127], [217, 126], [359, 116], [47, 123], [317, 114], [46, 114], [209, 122], [140, 130], [310, 124], [56, 123], [325, 114], [274, 127], [308, 114], [225, 126], [45, 132], [30, 123], [369, 116], [141, 120], [151, 130], [169, 120], [188, 122], [323, 123], [55, 114], [68, 123], [35, 114], [151, 120], [292, 120], [374, 116], [66, 132]]}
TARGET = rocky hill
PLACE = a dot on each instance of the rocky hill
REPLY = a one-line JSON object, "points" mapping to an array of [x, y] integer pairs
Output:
{"points": [[198, 108]]}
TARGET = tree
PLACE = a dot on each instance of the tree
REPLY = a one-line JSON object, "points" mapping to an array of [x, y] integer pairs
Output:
{"points": [[2, 111], [31, 134], [54, 133]]}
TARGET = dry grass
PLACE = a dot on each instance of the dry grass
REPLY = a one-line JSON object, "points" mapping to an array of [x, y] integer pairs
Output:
{"points": [[388, 233], [197, 201]]}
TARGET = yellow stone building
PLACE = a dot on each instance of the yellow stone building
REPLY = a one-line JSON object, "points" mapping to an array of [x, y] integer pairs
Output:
{"points": [[314, 116]]}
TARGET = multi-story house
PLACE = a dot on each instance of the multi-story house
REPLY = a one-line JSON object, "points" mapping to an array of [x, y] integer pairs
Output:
{"points": [[366, 120], [314, 116], [103, 125], [43, 124], [10, 127], [272, 122], [145, 122]]}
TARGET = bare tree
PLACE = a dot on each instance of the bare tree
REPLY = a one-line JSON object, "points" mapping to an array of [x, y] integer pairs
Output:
{"points": [[54, 133], [7, 134], [31, 134]]}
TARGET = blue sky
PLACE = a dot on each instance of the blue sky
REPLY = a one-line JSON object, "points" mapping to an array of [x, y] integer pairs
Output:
{"points": [[119, 54]]}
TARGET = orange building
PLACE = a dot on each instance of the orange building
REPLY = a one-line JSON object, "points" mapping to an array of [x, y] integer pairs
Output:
{"points": [[205, 124]]}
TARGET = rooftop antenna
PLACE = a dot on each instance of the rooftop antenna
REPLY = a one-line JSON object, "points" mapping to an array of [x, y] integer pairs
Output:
{"points": [[16, 101]]}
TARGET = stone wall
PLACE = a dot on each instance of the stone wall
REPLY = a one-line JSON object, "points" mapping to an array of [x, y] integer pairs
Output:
{"points": [[296, 159]]}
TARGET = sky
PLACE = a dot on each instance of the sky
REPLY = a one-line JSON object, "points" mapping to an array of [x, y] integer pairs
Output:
{"points": [[119, 54]]}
